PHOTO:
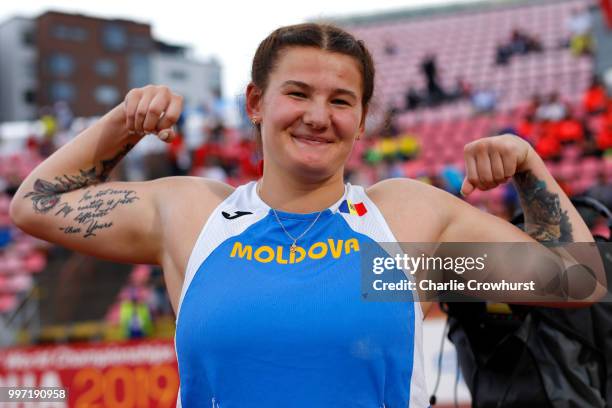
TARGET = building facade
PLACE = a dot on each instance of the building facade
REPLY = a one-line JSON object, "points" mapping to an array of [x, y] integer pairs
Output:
{"points": [[199, 82], [18, 70], [90, 64]]}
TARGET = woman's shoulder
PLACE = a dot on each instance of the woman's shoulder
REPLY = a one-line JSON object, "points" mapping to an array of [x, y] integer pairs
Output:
{"points": [[195, 187], [402, 188], [406, 201]]}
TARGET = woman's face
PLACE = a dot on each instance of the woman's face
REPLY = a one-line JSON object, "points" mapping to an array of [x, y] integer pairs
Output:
{"points": [[310, 112]]}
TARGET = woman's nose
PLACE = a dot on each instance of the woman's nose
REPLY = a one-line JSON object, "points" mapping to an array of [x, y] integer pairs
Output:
{"points": [[317, 115]]}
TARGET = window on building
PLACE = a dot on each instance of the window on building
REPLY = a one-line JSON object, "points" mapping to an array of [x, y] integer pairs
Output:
{"points": [[178, 75], [69, 33], [106, 95], [139, 73], [28, 37], [114, 37], [140, 42], [29, 96], [61, 65], [106, 68], [62, 91]]}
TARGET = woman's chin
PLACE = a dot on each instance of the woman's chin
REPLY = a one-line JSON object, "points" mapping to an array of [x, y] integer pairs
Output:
{"points": [[312, 169]]}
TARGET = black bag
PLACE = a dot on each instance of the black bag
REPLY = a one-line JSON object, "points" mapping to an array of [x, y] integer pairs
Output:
{"points": [[536, 357]]}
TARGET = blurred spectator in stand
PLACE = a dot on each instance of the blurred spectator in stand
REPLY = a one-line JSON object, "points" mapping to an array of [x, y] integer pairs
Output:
{"points": [[579, 25], [553, 109], [463, 89], [452, 179], [134, 316], [388, 148], [520, 43], [413, 98], [604, 137], [217, 132], [178, 155], [594, 99], [160, 304], [395, 170], [429, 68], [547, 144], [47, 146], [64, 115], [503, 54], [5, 236], [373, 155], [390, 47], [570, 129], [484, 100], [409, 147], [247, 157]]}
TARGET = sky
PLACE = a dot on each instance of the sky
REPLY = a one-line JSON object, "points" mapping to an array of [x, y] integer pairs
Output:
{"points": [[228, 30]]}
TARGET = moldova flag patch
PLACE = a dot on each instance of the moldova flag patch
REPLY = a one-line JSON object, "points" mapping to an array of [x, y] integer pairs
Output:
{"points": [[348, 207]]}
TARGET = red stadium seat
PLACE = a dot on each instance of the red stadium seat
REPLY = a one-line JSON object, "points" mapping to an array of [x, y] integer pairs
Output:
{"points": [[7, 303]]}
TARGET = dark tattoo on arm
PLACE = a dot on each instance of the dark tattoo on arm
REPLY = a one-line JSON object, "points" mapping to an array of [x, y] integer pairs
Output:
{"points": [[545, 220], [47, 194], [93, 207], [89, 217], [64, 209], [109, 165]]}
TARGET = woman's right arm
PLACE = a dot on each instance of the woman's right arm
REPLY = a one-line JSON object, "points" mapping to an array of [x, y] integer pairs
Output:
{"points": [[67, 199]]}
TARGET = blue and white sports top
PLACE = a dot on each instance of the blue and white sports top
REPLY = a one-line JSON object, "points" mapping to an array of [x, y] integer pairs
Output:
{"points": [[260, 327]]}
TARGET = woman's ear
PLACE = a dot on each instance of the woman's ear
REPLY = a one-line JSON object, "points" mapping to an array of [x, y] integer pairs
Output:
{"points": [[254, 98]]}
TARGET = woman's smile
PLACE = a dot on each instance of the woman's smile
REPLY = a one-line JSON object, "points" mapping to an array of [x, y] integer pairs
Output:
{"points": [[311, 140]]}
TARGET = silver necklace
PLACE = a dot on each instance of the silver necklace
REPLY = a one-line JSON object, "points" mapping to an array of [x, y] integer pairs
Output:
{"points": [[293, 247]]}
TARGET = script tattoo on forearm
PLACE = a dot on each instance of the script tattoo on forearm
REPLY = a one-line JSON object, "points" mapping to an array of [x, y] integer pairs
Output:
{"points": [[92, 207], [47, 194], [545, 220]]}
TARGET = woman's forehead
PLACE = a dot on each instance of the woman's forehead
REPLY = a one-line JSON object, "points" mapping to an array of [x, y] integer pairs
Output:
{"points": [[315, 66]]}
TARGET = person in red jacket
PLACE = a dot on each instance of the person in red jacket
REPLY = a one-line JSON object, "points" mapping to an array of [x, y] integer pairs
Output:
{"points": [[595, 98]]}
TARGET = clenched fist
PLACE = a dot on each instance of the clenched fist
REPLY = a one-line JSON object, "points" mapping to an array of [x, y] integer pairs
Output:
{"points": [[492, 161], [153, 109]]}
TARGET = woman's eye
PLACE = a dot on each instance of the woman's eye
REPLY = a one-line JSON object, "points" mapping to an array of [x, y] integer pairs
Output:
{"points": [[340, 102], [298, 94]]}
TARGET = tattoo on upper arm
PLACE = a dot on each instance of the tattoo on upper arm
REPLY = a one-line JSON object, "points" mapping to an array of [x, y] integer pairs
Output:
{"points": [[47, 194], [92, 207], [545, 219]]}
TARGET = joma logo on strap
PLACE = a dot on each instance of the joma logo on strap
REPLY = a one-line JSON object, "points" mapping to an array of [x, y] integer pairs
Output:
{"points": [[237, 214]]}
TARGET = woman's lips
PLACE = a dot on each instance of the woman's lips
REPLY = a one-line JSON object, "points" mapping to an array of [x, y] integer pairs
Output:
{"points": [[315, 140]]}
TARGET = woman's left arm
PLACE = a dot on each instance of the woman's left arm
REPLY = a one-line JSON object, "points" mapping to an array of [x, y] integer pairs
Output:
{"points": [[549, 214]]}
